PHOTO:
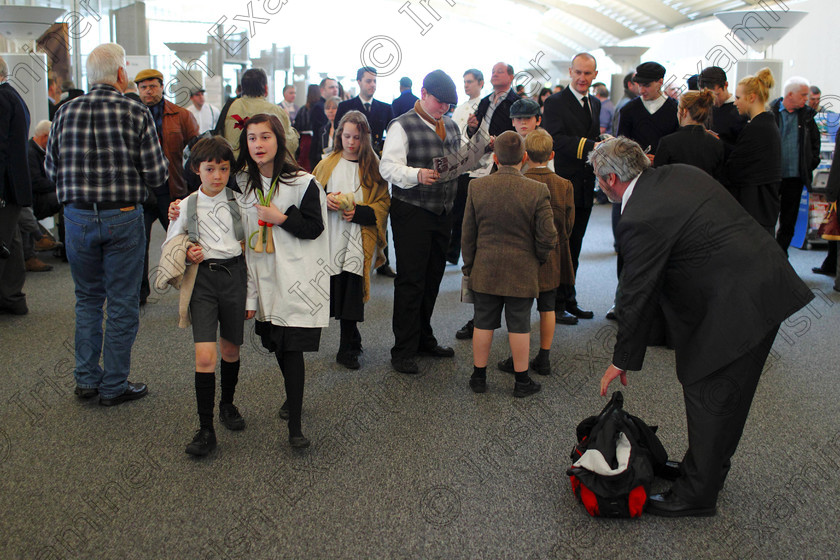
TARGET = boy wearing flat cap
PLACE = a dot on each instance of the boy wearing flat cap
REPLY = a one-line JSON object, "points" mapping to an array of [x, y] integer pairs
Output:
{"points": [[421, 216]]}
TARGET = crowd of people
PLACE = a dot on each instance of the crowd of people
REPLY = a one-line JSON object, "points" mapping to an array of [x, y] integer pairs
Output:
{"points": [[257, 199]]}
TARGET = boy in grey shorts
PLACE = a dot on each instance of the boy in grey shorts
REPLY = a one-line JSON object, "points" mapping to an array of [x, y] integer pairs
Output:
{"points": [[508, 231], [210, 228]]}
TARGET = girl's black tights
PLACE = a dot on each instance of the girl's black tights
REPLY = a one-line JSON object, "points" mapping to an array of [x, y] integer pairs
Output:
{"points": [[291, 365]]}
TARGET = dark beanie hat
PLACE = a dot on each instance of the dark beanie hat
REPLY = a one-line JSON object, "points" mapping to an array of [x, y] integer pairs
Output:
{"points": [[648, 72], [439, 84]]}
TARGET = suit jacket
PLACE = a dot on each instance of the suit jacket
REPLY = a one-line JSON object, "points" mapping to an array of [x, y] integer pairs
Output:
{"points": [[722, 282], [379, 116], [404, 103], [558, 268], [574, 133], [179, 127], [15, 187], [508, 231], [809, 140], [41, 184], [692, 145], [500, 121]]}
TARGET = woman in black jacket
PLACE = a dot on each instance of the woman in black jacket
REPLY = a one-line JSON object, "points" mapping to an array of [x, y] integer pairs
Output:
{"points": [[753, 172], [693, 144]]}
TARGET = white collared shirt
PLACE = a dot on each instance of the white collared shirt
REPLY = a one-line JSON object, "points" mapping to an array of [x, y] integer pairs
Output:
{"points": [[629, 191], [393, 166], [656, 104]]}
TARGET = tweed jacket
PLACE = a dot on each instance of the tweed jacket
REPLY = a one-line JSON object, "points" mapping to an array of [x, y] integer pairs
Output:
{"points": [[508, 231], [558, 268]]}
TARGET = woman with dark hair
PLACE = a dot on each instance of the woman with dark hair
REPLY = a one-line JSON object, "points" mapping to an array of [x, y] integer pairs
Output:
{"points": [[358, 204], [693, 144], [303, 124], [286, 208]]}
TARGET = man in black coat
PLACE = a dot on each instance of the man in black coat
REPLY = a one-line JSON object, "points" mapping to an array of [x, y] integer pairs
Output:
{"points": [[15, 191], [495, 108], [724, 287], [378, 113], [572, 119], [800, 152]]}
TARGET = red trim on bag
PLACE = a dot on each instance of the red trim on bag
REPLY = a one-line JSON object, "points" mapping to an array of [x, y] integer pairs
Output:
{"points": [[636, 501], [590, 501]]}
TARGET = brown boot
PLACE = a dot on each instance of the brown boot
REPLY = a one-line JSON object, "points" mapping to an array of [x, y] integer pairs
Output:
{"points": [[34, 264], [45, 244]]}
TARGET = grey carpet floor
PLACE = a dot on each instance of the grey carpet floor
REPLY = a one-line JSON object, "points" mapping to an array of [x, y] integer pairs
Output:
{"points": [[400, 466]]}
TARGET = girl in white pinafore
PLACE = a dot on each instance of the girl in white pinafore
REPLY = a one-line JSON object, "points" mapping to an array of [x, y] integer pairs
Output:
{"points": [[288, 289]]}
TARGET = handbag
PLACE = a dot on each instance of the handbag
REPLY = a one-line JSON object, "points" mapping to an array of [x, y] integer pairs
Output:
{"points": [[467, 295], [830, 228]]}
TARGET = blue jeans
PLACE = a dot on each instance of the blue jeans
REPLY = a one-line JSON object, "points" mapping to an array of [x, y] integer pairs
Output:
{"points": [[105, 249]]}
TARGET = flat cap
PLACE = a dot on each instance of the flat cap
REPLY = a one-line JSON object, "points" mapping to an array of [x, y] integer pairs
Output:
{"points": [[148, 74], [439, 84], [648, 72], [525, 107]]}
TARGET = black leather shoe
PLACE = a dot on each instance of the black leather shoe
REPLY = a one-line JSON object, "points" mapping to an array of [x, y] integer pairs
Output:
{"points": [[466, 331], [527, 388], [818, 270], [540, 367], [565, 318], [386, 271], [506, 365], [350, 360], [669, 504], [478, 384], [133, 392], [230, 418], [437, 351], [283, 413], [611, 314], [299, 442], [85, 394], [405, 365], [580, 313], [203, 443]]}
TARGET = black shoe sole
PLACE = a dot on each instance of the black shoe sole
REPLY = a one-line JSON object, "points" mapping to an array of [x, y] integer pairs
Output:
{"points": [[460, 335], [480, 387], [526, 393], [122, 398], [299, 442], [232, 426], [85, 394], [200, 452], [695, 512]]}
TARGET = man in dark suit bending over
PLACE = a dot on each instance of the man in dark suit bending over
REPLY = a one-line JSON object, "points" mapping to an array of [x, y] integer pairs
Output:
{"points": [[572, 119], [724, 286]]}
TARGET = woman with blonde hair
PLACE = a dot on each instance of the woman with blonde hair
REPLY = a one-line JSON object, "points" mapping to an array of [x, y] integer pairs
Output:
{"points": [[357, 204], [693, 144], [753, 172]]}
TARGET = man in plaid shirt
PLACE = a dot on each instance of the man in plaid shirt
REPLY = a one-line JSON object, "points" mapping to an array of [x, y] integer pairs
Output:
{"points": [[102, 154]]}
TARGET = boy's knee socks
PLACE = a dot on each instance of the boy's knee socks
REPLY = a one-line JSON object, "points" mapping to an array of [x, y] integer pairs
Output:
{"points": [[205, 395], [229, 379]]}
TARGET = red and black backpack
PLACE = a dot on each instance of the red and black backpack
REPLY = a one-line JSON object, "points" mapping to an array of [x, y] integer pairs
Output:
{"points": [[614, 461]]}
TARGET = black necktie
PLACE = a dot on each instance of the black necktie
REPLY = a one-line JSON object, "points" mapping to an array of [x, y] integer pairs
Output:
{"points": [[367, 107], [587, 109]]}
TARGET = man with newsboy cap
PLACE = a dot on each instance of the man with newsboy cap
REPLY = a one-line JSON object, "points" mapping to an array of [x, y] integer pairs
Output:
{"points": [[421, 215], [652, 115], [175, 127]]}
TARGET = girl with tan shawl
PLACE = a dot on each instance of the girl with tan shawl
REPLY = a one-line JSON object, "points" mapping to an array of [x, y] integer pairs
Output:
{"points": [[357, 204]]}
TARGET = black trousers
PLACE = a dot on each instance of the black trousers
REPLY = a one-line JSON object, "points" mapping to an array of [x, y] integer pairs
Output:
{"points": [[716, 409], [830, 263], [789, 195], [152, 213], [420, 242], [566, 294], [458, 209]]}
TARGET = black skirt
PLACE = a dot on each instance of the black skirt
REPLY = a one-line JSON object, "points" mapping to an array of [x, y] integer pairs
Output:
{"points": [[346, 295], [288, 339]]}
